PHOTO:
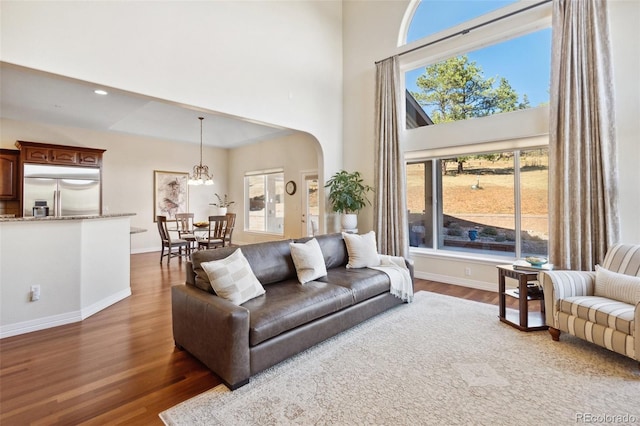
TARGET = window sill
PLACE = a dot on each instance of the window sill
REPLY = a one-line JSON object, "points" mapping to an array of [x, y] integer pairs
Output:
{"points": [[263, 233], [461, 256]]}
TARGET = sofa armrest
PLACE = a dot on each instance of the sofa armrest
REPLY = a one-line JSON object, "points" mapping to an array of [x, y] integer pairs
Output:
{"points": [[213, 330], [410, 266], [190, 278], [562, 284]]}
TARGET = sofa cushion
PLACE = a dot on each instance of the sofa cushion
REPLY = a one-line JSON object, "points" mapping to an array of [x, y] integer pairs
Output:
{"points": [[232, 278], [333, 249], [623, 259], [287, 305], [308, 260], [362, 250], [600, 310], [270, 261], [363, 283], [622, 287]]}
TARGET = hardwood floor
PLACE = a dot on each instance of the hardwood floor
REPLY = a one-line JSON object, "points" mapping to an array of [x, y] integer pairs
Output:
{"points": [[120, 365]]}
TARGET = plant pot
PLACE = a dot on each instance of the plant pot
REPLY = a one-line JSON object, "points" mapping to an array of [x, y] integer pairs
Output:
{"points": [[222, 211], [349, 221]]}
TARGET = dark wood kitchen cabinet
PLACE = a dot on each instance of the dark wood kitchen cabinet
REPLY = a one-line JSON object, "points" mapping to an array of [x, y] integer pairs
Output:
{"points": [[9, 175], [42, 153]]}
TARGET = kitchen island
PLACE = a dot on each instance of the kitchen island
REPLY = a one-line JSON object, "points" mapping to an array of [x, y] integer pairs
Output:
{"points": [[79, 264]]}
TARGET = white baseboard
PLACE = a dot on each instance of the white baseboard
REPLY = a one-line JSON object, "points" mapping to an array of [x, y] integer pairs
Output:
{"points": [[105, 303], [145, 250], [61, 319], [463, 282], [39, 324]]}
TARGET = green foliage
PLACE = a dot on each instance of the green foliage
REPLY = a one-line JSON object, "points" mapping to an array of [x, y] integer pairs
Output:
{"points": [[347, 192], [454, 232], [489, 231], [457, 90]]}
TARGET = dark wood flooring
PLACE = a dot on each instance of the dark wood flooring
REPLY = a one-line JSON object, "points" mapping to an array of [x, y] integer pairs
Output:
{"points": [[120, 365]]}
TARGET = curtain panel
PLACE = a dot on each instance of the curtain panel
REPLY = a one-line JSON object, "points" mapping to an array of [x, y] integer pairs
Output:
{"points": [[390, 207], [583, 215]]}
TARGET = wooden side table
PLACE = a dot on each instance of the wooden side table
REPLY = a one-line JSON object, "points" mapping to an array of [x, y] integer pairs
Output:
{"points": [[520, 318]]}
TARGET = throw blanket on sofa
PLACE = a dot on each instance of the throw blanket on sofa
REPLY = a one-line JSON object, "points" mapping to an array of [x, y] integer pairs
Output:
{"points": [[396, 269]]}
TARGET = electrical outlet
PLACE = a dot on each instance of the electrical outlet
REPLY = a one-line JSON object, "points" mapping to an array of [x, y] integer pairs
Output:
{"points": [[35, 293], [467, 272]]}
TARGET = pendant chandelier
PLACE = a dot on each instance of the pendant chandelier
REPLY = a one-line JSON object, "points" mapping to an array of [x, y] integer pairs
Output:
{"points": [[200, 175]]}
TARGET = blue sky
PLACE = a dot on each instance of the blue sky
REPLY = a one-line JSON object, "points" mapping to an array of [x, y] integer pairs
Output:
{"points": [[524, 62]]}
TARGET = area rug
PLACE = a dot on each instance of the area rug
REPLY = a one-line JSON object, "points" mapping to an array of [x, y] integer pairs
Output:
{"points": [[437, 361]]}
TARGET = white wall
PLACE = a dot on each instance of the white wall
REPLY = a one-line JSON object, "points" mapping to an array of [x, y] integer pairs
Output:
{"points": [[274, 62], [371, 31], [82, 266], [294, 154], [624, 18]]}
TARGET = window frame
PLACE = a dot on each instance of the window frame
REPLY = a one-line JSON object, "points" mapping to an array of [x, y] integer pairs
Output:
{"points": [[437, 213], [265, 175]]}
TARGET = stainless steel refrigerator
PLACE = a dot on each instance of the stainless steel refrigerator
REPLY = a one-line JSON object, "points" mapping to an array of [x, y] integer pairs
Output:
{"points": [[68, 191]]}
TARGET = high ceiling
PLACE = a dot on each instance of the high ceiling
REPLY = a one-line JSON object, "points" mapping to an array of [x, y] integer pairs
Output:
{"points": [[35, 96]]}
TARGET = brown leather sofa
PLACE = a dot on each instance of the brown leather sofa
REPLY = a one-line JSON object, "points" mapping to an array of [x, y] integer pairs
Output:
{"points": [[237, 342]]}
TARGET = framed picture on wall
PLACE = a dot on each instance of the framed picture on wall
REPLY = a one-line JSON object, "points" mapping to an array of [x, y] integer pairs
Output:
{"points": [[170, 194]]}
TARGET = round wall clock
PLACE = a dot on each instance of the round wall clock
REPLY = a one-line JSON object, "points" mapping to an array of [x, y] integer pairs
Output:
{"points": [[290, 187]]}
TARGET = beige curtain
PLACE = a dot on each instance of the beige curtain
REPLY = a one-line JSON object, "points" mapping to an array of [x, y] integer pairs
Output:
{"points": [[583, 214], [390, 205]]}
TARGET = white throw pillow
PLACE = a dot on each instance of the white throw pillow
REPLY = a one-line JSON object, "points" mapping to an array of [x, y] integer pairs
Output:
{"points": [[621, 287], [233, 279], [362, 250], [308, 260]]}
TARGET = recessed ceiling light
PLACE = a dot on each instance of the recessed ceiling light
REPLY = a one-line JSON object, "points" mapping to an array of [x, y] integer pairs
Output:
{"points": [[100, 92]]}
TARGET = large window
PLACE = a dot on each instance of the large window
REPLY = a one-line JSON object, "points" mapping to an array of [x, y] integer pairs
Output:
{"points": [[489, 203], [264, 202], [478, 180]]}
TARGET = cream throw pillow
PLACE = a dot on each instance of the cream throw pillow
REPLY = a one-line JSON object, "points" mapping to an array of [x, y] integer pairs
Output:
{"points": [[621, 287], [308, 260], [362, 250], [233, 279]]}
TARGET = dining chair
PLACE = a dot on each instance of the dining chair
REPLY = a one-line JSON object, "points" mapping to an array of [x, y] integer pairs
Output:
{"points": [[228, 233], [184, 224], [170, 243], [215, 235]]}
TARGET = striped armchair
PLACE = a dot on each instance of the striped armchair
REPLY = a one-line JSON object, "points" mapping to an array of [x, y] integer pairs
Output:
{"points": [[602, 307]]}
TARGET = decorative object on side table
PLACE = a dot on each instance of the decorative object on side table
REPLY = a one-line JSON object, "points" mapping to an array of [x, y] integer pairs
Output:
{"points": [[222, 204], [348, 195], [533, 264], [536, 261]]}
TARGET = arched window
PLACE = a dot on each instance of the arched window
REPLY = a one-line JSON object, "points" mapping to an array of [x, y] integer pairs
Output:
{"points": [[433, 16], [487, 71], [476, 176]]}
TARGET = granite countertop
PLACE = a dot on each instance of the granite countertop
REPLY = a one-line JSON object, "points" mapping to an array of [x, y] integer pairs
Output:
{"points": [[50, 218]]}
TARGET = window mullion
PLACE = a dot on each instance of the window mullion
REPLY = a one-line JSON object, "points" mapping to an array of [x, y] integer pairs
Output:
{"points": [[517, 206]]}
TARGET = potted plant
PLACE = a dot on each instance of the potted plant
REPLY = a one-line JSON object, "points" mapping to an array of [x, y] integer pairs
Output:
{"points": [[222, 204], [348, 195]]}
